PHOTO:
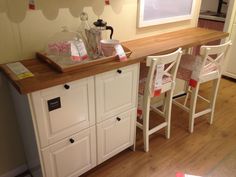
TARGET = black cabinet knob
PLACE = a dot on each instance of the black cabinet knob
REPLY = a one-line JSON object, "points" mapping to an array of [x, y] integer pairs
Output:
{"points": [[119, 119], [119, 71], [66, 86], [72, 140]]}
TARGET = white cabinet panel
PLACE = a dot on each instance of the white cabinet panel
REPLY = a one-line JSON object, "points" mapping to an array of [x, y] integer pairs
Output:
{"points": [[231, 59], [64, 121], [72, 156], [115, 135], [116, 91], [63, 110]]}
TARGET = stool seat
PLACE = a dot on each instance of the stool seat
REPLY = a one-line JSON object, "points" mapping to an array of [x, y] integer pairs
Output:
{"points": [[160, 72], [142, 83], [189, 63], [166, 84]]}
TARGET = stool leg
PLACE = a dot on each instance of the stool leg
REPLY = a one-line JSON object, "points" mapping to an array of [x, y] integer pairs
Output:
{"points": [[168, 106], [187, 95], [193, 103], [164, 102], [215, 87], [146, 112]]}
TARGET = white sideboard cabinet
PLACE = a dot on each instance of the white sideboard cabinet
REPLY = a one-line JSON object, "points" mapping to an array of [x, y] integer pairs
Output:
{"points": [[80, 124]]}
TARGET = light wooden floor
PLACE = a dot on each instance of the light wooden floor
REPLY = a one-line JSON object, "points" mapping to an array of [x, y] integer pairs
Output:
{"points": [[210, 151]]}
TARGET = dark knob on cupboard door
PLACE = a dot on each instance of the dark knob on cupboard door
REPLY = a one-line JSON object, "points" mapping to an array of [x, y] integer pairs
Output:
{"points": [[72, 140], [119, 71], [66, 86], [119, 119]]}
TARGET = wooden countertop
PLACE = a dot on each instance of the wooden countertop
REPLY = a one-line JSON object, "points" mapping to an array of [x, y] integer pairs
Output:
{"points": [[45, 76]]}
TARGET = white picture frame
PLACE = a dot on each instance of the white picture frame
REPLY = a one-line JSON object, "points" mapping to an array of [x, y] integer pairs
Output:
{"points": [[154, 12]]}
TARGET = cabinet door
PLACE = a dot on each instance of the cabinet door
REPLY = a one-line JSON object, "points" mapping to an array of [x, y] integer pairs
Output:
{"points": [[209, 24], [201, 23], [116, 91], [71, 157], [63, 110], [115, 135]]}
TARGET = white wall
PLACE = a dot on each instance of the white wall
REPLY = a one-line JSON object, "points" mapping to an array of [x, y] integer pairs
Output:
{"points": [[23, 32], [230, 27], [11, 151]]}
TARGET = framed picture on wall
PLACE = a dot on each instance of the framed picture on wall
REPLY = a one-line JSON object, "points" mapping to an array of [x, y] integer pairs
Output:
{"points": [[154, 12]]}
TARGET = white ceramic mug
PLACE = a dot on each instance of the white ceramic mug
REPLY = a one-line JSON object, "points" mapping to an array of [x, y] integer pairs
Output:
{"points": [[107, 47]]}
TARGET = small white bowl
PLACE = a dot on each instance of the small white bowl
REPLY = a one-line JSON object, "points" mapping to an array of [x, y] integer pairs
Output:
{"points": [[107, 47]]}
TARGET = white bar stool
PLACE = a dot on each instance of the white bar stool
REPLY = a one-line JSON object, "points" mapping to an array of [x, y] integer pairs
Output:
{"points": [[161, 79], [200, 69]]}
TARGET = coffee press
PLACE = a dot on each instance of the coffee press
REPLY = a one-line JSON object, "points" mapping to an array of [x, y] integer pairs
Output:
{"points": [[95, 34]]}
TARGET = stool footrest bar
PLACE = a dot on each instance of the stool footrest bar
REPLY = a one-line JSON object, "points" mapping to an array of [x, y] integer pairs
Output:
{"points": [[157, 128]]}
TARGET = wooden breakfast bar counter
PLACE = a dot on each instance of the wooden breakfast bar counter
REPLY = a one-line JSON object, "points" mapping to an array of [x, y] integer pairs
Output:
{"points": [[86, 116], [45, 76]]}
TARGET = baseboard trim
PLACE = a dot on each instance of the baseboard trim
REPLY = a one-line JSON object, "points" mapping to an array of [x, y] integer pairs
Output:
{"points": [[15, 171], [180, 94], [227, 74], [229, 78]]}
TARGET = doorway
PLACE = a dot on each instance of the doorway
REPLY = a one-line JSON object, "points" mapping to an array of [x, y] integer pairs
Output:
{"points": [[220, 15]]}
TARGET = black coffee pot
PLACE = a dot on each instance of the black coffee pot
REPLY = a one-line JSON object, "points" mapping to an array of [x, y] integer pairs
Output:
{"points": [[102, 25]]}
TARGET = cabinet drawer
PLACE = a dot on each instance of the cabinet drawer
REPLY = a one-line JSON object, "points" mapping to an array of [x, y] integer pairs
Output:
{"points": [[63, 110], [115, 135], [72, 156], [116, 91]]}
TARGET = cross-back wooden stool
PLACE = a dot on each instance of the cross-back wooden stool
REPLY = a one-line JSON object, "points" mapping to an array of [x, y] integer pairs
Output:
{"points": [[160, 79], [196, 70]]}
